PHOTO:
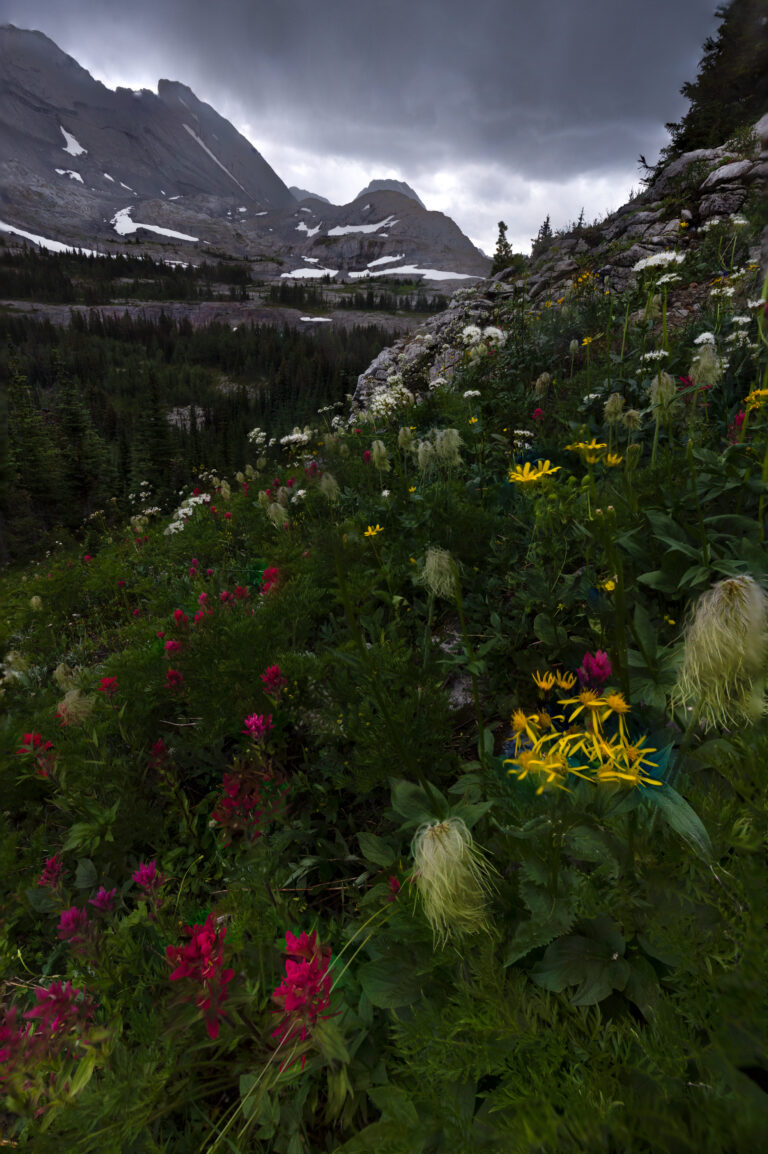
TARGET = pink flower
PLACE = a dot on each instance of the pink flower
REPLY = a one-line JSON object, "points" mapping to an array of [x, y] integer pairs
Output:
{"points": [[274, 681], [202, 599], [270, 579], [174, 679], [241, 592], [595, 669], [53, 871], [735, 427], [148, 877], [227, 516], [394, 889], [73, 925], [367, 456], [59, 1009], [257, 725], [172, 646], [201, 962], [304, 994], [537, 415], [87, 557], [180, 618], [104, 901]]}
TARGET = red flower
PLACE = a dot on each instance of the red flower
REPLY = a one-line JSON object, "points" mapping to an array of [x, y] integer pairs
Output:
{"points": [[257, 725], [270, 579], [104, 901], [52, 872], [108, 686], [148, 877], [172, 646], [304, 994], [73, 925], [537, 415], [394, 889], [274, 681], [201, 962], [180, 617], [174, 679], [595, 669], [367, 456]]}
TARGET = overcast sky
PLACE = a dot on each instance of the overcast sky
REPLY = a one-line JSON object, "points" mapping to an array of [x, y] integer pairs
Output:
{"points": [[490, 109]]}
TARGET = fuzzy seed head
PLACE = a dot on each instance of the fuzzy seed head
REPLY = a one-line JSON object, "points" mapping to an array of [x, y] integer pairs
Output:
{"points": [[329, 487], [452, 877], [425, 455], [439, 574], [75, 707], [380, 456], [726, 653], [447, 444], [613, 409]]}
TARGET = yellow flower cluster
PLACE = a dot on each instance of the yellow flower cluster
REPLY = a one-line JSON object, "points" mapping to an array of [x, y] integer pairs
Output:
{"points": [[526, 474], [551, 755], [372, 530], [756, 399], [592, 451]]}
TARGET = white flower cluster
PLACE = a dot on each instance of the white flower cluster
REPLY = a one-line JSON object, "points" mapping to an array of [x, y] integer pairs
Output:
{"points": [[668, 278], [385, 401], [740, 320], [522, 440], [722, 290], [143, 494], [471, 335], [299, 495], [737, 220], [494, 336], [654, 355], [185, 511], [705, 339], [659, 260], [471, 393], [298, 438], [438, 383], [258, 438]]}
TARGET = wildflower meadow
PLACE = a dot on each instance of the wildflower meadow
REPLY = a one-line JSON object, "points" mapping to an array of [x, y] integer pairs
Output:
{"points": [[403, 788]]}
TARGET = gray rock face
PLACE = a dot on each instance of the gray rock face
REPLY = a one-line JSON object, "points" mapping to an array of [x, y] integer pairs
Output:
{"points": [[728, 172], [391, 186], [97, 169]]}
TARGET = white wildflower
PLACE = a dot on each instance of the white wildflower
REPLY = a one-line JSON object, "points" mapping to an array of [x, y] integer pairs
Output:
{"points": [[658, 260]]}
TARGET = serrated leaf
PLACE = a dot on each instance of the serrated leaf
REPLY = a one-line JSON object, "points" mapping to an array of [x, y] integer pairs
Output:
{"points": [[413, 803], [375, 849], [592, 966], [389, 983]]}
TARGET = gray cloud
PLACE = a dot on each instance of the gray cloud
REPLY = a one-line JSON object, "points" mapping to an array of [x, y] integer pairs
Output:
{"points": [[543, 93]]}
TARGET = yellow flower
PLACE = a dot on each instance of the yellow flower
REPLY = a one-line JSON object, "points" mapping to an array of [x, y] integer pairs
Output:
{"points": [[547, 304], [545, 681], [587, 340], [371, 531], [684, 224], [523, 474], [609, 586], [412, 489], [756, 399], [669, 620], [473, 420], [565, 681], [612, 459], [588, 699], [591, 448]]}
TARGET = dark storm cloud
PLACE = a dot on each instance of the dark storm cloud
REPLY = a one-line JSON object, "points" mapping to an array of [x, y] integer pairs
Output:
{"points": [[521, 95], [545, 86]]}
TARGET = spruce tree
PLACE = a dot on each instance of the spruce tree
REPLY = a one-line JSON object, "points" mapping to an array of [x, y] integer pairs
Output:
{"points": [[731, 88], [503, 257]]}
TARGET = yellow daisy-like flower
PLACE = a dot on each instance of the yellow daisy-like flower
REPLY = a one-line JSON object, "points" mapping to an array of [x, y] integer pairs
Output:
{"points": [[545, 681], [473, 420], [372, 530], [684, 224], [612, 459], [547, 304], [527, 473], [590, 447], [565, 681], [616, 703], [609, 586], [587, 340], [589, 700], [412, 489]]}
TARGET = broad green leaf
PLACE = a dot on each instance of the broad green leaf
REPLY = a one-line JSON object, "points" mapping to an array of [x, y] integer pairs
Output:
{"points": [[394, 1104], [413, 803], [389, 984], [85, 874], [642, 986], [592, 966], [375, 849], [681, 817]]}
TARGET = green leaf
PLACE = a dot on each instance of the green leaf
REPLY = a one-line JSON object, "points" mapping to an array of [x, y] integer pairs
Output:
{"points": [[41, 900], [592, 966], [681, 817], [642, 986], [412, 803], [471, 812], [389, 983], [644, 632], [375, 849], [85, 874], [545, 629], [330, 1042], [394, 1104]]}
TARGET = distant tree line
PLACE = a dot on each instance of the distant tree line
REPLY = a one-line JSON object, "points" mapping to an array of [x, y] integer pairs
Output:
{"points": [[84, 410], [368, 299]]}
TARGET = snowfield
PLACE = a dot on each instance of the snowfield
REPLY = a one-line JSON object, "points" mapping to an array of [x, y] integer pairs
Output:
{"points": [[124, 226], [345, 229], [70, 173], [50, 245], [72, 146]]}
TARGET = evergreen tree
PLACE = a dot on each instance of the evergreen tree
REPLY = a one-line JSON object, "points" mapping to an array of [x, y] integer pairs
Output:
{"points": [[503, 257], [731, 88], [543, 238]]}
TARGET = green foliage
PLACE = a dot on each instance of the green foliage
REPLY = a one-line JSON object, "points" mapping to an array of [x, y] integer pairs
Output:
{"points": [[223, 728]]}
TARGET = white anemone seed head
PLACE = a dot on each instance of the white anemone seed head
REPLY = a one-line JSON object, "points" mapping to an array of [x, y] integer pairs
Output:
{"points": [[452, 878], [439, 573], [726, 653]]}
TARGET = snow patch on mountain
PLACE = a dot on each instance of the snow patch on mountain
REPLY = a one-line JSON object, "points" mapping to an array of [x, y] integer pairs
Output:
{"points": [[124, 226], [301, 227], [44, 242], [70, 173], [345, 229], [414, 270], [205, 148], [108, 177], [299, 273], [385, 260], [72, 147]]}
